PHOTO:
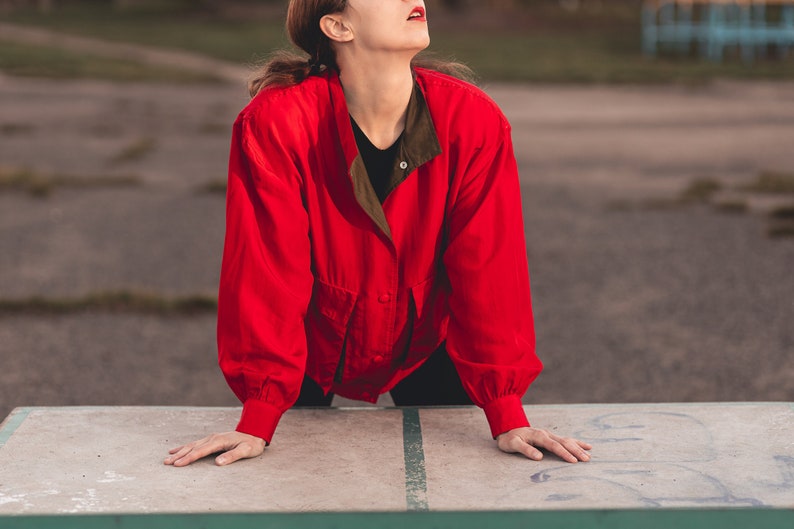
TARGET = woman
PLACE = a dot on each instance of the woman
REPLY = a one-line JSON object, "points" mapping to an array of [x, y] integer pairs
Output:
{"points": [[374, 237]]}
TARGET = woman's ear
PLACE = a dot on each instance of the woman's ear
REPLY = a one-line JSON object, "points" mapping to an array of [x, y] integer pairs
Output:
{"points": [[335, 28]]}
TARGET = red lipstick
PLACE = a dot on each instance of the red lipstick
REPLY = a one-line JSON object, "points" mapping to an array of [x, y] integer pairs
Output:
{"points": [[418, 13]]}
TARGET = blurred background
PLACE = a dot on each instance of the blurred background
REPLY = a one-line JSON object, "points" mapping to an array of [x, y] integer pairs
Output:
{"points": [[654, 141]]}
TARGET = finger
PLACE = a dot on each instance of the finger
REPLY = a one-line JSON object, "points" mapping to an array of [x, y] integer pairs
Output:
{"points": [[199, 452], [184, 447], [582, 444], [530, 451], [192, 456], [181, 452], [188, 446], [574, 447], [555, 447], [517, 444], [242, 451]]}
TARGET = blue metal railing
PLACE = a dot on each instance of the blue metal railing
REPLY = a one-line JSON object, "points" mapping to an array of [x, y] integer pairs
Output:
{"points": [[712, 26]]}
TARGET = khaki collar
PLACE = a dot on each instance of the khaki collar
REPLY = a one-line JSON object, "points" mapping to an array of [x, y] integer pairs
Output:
{"points": [[420, 142], [419, 145]]}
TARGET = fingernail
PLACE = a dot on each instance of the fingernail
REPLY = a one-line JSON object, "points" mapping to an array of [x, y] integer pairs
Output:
{"points": [[221, 460]]}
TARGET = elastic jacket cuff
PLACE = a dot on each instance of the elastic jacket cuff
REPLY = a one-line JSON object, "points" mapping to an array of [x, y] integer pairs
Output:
{"points": [[259, 419], [504, 414]]}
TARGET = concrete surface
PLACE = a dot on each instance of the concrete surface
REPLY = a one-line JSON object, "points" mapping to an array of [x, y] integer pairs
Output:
{"points": [[105, 460]]}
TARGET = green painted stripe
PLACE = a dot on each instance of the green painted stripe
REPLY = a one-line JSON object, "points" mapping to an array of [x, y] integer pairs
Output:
{"points": [[415, 477], [13, 422], [589, 519]]}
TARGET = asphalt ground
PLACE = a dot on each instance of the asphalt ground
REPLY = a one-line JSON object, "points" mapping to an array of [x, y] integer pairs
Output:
{"points": [[637, 297]]}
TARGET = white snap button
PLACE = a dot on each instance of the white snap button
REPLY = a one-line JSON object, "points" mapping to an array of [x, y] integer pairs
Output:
{"points": [[403, 165]]}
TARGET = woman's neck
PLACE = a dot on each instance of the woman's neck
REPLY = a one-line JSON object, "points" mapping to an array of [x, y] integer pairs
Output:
{"points": [[377, 96]]}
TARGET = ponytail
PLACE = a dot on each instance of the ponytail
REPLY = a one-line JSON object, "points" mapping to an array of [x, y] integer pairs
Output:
{"points": [[283, 68], [286, 68]]}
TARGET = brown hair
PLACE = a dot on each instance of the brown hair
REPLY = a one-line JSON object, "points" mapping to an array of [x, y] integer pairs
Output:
{"points": [[286, 68]]}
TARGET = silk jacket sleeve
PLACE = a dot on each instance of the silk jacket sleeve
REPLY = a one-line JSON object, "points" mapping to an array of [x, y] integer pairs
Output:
{"points": [[491, 337], [266, 278]]}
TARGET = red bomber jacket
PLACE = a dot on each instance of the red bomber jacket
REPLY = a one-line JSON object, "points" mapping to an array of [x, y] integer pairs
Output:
{"points": [[316, 280]]}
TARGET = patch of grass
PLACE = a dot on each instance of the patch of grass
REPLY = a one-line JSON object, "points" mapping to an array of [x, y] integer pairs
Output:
{"points": [[780, 230], [52, 63], [237, 40], [24, 179], [783, 213], [214, 186], [121, 301], [581, 57], [42, 184], [734, 206], [781, 222], [214, 127], [772, 182], [700, 190], [135, 151], [598, 43], [16, 129]]}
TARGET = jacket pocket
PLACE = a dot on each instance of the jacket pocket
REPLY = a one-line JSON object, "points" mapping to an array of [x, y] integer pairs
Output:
{"points": [[327, 323], [429, 319]]}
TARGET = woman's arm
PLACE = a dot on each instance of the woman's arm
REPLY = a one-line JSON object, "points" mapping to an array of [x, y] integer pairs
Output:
{"points": [[265, 288], [491, 336], [266, 278]]}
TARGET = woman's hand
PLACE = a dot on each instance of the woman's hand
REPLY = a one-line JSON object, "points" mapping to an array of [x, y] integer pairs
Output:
{"points": [[234, 445], [527, 441]]}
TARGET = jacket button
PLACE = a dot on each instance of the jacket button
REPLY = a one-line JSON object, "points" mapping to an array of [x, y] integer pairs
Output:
{"points": [[403, 165], [378, 359], [384, 298]]}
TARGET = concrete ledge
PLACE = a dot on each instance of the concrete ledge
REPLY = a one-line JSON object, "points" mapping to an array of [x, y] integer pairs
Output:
{"points": [[654, 465]]}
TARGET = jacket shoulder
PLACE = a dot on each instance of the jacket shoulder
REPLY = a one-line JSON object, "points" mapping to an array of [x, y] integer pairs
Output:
{"points": [[459, 99], [278, 104]]}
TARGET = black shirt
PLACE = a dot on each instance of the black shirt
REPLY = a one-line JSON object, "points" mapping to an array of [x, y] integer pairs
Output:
{"points": [[379, 163]]}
